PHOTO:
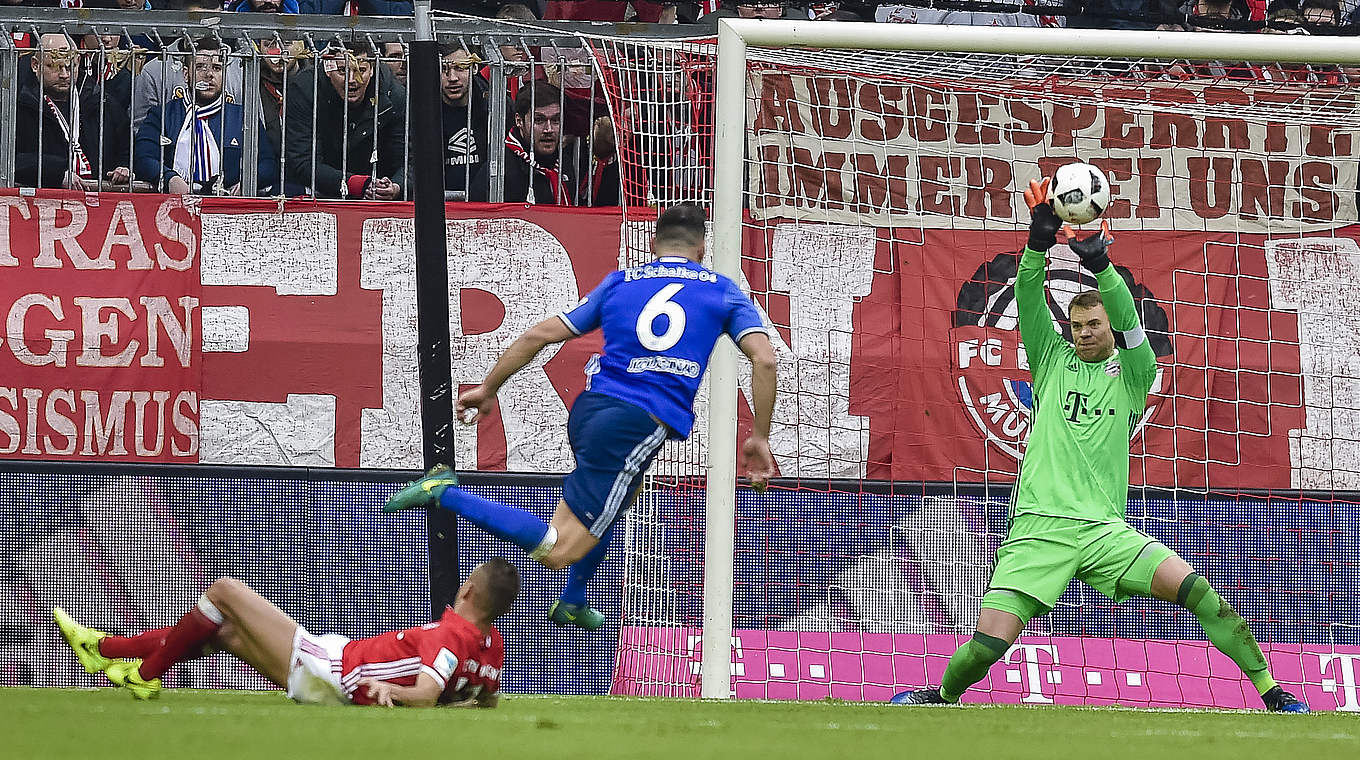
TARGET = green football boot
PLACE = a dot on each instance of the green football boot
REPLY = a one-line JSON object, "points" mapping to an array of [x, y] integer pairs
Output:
{"points": [[579, 615], [84, 642], [124, 673], [424, 492]]}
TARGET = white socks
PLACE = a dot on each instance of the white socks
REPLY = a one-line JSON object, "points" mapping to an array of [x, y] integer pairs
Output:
{"points": [[546, 545], [209, 610]]}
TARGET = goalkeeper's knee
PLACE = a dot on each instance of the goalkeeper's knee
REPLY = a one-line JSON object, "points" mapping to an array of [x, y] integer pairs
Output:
{"points": [[1195, 594]]}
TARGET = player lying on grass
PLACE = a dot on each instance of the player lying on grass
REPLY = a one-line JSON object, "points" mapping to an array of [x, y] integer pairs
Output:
{"points": [[455, 660], [1068, 506], [660, 322]]}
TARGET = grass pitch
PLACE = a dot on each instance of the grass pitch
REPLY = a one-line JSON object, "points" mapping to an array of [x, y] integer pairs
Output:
{"points": [[100, 724]]}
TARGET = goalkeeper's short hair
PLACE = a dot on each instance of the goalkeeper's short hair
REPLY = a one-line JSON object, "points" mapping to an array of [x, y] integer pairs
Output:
{"points": [[1086, 299]]}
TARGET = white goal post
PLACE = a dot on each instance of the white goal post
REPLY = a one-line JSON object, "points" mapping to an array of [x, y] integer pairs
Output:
{"points": [[735, 38]]}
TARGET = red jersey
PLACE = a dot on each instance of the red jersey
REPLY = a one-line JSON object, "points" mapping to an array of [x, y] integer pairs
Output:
{"points": [[452, 651]]}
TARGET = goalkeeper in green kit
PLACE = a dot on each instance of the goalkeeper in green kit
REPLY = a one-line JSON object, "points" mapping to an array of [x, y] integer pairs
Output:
{"points": [[1068, 505]]}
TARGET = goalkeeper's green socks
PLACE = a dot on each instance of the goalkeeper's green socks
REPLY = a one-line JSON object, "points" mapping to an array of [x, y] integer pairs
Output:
{"points": [[1226, 629], [970, 664]]}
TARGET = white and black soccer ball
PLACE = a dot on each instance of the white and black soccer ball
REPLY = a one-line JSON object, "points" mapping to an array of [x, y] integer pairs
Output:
{"points": [[1079, 193]]}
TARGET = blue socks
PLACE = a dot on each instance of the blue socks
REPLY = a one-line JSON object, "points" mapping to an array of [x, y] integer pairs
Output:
{"points": [[520, 527], [580, 573]]}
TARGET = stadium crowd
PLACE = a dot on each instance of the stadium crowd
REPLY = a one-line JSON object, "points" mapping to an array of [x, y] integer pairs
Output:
{"points": [[133, 112]]}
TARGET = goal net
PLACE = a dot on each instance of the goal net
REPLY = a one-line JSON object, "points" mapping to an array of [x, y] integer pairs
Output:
{"points": [[877, 194]]}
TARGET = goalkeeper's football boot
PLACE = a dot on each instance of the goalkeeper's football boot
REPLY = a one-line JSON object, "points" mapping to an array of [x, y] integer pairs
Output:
{"points": [[424, 492], [84, 641], [920, 697], [1279, 700], [579, 615], [124, 673]]}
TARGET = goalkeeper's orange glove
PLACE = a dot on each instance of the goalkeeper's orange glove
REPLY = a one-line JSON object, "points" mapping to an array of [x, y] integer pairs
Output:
{"points": [[1043, 223]]}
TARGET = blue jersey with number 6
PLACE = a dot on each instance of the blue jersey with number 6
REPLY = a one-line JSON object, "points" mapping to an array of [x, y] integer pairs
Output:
{"points": [[661, 321]]}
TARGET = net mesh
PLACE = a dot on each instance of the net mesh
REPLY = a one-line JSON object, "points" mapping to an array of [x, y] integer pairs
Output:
{"points": [[882, 225]]}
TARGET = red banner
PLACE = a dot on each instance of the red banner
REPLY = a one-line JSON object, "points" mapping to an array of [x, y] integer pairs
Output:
{"points": [[101, 355], [899, 354]]}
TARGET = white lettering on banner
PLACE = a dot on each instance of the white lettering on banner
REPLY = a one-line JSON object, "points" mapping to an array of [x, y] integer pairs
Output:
{"points": [[824, 269], [1342, 677], [300, 432], [1027, 655], [102, 330], [529, 271], [125, 232], [52, 235], [1311, 276], [895, 155], [390, 436], [95, 423], [57, 339], [9, 203], [294, 253]]}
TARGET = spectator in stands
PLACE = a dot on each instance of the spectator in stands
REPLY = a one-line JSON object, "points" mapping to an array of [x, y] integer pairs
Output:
{"points": [[362, 7], [262, 6], [158, 81], [278, 63], [519, 69], [51, 146], [1216, 15], [988, 15], [198, 147], [756, 9], [647, 11], [106, 96], [394, 57], [1119, 14], [533, 170], [1323, 16], [354, 146], [600, 167], [466, 116]]}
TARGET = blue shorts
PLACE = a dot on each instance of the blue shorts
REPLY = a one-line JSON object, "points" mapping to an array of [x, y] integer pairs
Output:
{"points": [[614, 443]]}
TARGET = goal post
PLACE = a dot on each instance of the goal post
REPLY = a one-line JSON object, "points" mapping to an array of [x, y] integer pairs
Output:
{"points": [[742, 41]]}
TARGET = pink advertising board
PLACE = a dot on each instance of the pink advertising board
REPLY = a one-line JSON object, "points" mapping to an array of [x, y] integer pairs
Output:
{"points": [[1066, 670]]}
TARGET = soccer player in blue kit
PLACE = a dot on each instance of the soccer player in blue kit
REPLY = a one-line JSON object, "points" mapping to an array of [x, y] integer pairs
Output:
{"points": [[661, 321]]}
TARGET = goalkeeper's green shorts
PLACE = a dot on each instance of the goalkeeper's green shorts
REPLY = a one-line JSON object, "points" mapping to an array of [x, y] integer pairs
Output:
{"points": [[1042, 554]]}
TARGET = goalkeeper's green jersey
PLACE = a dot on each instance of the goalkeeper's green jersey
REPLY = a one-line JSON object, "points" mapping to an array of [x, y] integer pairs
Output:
{"points": [[1076, 463]]}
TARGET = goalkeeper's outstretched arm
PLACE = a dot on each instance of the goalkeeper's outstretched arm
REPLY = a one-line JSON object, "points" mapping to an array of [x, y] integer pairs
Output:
{"points": [[1036, 325], [1135, 353]]}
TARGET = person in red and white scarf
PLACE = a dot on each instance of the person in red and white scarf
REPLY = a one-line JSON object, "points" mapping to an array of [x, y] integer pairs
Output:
{"points": [[533, 171], [48, 149]]}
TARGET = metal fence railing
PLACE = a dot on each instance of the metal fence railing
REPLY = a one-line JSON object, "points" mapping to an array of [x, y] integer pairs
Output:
{"points": [[258, 105]]}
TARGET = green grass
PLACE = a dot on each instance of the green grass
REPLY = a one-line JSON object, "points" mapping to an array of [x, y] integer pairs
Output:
{"points": [[204, 725]]}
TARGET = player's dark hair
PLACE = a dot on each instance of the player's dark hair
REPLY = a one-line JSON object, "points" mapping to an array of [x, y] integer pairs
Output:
{"points": [[681, 226], [1087, 299], [539, 95], [499, 583]]}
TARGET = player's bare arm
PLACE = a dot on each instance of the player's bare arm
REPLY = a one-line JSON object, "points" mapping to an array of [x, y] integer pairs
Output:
{"points": [[755, 452], [425, 692], [516, 357]]}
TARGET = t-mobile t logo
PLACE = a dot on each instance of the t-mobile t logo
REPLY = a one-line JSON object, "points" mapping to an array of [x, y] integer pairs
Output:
{"points": [[1341, 677], [1032, 676], [1075, 404]]}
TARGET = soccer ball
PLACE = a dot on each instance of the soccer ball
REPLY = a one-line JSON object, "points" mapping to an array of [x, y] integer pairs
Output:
{"points": [[1080, 193]]}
